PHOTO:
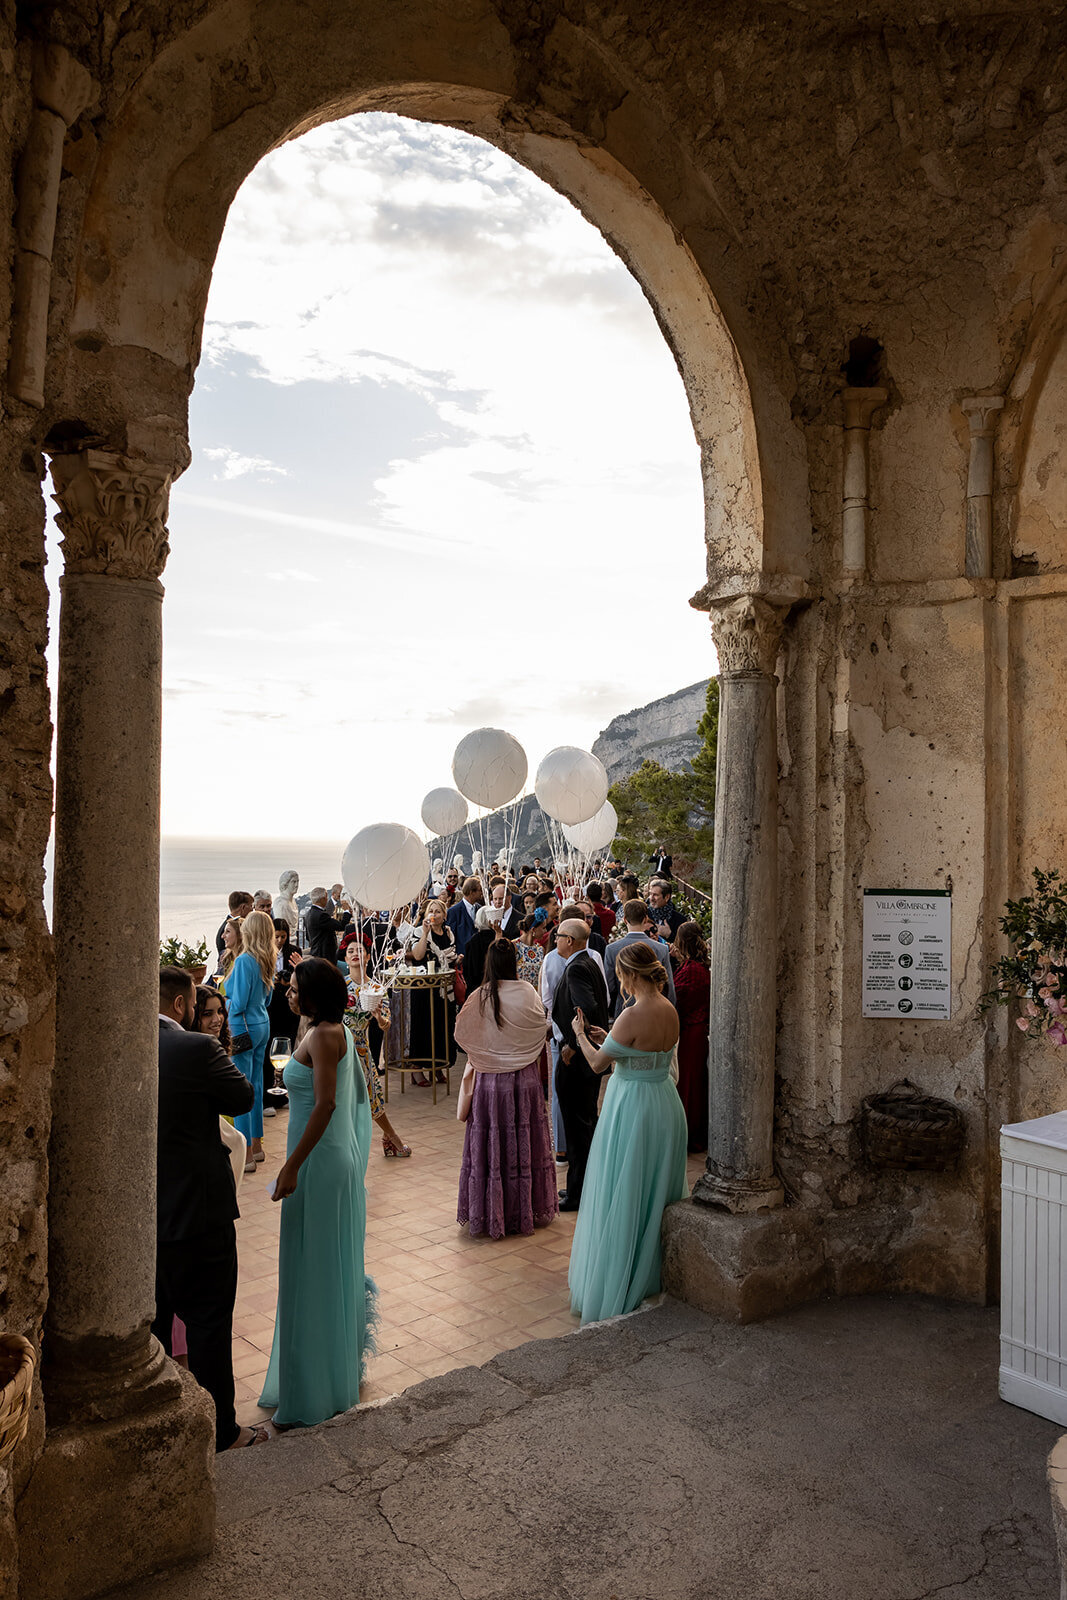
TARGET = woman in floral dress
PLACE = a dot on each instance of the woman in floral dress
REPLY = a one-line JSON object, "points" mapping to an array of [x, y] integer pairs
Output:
{"points": [[358, 1022], [529, 959]]}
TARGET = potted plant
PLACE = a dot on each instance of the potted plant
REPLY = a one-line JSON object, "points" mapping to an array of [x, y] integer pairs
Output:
{"points": [[192, 958], [1034, 976]]}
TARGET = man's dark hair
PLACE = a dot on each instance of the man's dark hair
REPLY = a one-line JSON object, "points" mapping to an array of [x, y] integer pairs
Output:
{"points": [[174, 981], [544, 899], [634, 913], [321, 990], [238, 897], [594, 893]]}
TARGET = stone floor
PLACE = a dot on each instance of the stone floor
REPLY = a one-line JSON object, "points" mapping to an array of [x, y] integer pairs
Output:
{"points": [[853, 1450], [446, 1300]]}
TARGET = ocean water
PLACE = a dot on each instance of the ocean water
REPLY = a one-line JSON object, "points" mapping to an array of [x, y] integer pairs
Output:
{"points": [[196, 875]]}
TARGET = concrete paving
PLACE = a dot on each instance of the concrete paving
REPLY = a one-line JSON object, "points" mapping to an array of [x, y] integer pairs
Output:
{"points": [[853, 1450]]}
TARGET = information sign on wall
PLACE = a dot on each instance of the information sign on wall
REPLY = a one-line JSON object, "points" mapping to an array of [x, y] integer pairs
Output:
{"points": [[907, 953]]}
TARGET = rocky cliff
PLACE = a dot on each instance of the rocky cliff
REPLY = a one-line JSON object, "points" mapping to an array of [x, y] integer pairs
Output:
{"points": [[663, 731]]}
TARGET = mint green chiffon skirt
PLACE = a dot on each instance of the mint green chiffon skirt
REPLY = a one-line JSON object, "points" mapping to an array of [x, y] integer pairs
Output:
{"points": [[636, 1167], [323, 1330]]}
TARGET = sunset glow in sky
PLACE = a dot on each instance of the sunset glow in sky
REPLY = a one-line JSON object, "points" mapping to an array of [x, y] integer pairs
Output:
{"points": [[443, 475]]}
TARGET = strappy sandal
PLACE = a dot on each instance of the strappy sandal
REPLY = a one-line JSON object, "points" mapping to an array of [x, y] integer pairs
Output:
{"points": [[257, 1436], [395, 1149]]}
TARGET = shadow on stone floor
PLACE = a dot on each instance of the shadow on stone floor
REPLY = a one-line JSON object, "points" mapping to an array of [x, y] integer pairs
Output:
{"points": [[852, 1450]]}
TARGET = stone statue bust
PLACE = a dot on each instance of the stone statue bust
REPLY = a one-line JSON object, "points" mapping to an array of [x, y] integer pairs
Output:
{"points": [[284, 907]]}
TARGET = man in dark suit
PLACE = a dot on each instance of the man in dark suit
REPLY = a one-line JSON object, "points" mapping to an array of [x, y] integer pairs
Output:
{"points": [[638, 927], [502, 901], [581, 986], [321, 928], [240, 904], [196, 1200], [661, 862], [461, 916], [666, 918]]}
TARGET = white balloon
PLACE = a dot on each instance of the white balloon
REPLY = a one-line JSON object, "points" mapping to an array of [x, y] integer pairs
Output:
{"points": [[385, 865], [571, 785], [489, 767], [597, 833], [444, 812]]}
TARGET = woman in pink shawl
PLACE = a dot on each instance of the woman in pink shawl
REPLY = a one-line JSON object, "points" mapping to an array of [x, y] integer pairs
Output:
{"points": [[507, 1183]]}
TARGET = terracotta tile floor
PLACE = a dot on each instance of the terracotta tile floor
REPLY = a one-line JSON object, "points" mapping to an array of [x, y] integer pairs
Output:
{"points": [[445, 1300]]}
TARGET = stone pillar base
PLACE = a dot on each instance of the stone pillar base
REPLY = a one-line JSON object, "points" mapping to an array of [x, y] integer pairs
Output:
{"points": [[113, 1501], [742, 1267], [742, 1199]]}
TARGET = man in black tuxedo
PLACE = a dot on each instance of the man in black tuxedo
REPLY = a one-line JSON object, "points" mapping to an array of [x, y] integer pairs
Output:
{"points": [[196, 1200], [661, 862], [581, 985]]}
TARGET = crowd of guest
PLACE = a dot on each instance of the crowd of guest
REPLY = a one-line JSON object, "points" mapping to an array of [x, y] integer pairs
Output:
{"points": [[547, 986]]}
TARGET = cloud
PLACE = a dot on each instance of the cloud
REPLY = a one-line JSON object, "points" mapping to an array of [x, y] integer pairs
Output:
{"points": [[235, 465]]}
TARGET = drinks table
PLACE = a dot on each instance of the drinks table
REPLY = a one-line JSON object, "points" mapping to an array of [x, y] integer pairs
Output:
{"points": [[406, 986]]}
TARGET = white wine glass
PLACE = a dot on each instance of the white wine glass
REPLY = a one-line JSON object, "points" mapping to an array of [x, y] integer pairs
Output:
{"points": [[280, 1050]]}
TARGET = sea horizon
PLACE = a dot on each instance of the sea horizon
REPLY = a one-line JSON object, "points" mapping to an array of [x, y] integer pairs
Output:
{"points": [[196, 876]]}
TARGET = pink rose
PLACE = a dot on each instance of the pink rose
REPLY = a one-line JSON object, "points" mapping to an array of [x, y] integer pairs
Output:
{"points": [[1023, 1023], [1056, 1005], [1057, 1033]]}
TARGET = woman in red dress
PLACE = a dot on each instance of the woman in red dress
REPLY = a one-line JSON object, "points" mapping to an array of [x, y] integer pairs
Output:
{"points": [[692, 986]]}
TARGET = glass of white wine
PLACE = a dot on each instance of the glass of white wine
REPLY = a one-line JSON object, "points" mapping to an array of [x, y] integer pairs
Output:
{"points": [[280, 1051]]}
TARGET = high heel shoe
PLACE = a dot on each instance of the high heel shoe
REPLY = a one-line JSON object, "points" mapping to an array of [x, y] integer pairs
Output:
{"points": [[397, 1149]]}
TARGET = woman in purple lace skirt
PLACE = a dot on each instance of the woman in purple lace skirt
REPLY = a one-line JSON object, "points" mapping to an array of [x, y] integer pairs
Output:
{"points": [[507, 1183]]}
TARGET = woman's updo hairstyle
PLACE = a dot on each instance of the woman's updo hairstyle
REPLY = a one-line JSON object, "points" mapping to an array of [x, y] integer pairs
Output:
{"points": [[641, 961]]}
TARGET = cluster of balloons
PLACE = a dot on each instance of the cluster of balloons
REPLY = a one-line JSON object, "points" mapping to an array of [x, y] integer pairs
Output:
{"points": [[386, 864]]}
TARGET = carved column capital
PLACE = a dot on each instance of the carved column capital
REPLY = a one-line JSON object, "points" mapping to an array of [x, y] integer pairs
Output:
{"points": [[983, 413], [112, 513], [747, 633], [859, 405]]}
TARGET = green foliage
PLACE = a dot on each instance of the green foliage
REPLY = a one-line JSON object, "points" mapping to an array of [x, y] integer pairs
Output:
{"points": [[675, 809], [174, 952], [1035, 974]]}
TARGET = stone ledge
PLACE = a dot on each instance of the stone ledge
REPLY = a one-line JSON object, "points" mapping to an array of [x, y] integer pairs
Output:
{"points": [[109, 1502], [748, 1267]]}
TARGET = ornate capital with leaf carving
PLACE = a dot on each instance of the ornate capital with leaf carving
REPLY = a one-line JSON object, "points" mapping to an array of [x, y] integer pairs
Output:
{"points": [[112, 513], [747, 633]]}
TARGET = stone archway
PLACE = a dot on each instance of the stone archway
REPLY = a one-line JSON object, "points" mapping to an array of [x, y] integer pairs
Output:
{"points": [[142, 241]]}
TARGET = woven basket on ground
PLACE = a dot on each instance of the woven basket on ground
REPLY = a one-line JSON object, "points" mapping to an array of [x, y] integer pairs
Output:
{"points": [[16, 1386], [905, 1128]]}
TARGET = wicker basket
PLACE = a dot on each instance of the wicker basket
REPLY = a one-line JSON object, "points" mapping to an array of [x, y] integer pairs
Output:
{"points": [[905, 1128], [16, 1386]]}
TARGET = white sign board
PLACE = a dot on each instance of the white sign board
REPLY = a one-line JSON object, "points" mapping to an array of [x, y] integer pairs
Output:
{"points": [[907, 953]]}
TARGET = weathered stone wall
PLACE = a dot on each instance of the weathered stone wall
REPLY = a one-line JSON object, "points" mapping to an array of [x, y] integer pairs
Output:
{"points": [[811, 199], [26, 974]]}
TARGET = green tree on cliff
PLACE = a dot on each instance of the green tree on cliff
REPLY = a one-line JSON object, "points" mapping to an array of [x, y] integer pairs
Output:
{"points": [[675, 809]]}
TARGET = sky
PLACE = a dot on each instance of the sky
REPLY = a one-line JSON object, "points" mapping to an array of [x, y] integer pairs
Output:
{"points": [[442, 465]]}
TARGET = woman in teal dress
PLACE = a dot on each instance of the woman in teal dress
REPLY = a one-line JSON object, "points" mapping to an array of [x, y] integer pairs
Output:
{"points": [[637, 1160], [326, 1303]]}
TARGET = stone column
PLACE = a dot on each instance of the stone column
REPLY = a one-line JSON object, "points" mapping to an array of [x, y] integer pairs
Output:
{"points": [[983, 414], [860, 406], [744, 938], [61, 91], [100, 1360]]}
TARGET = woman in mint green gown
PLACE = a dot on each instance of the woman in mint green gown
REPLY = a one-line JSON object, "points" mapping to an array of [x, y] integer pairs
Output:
{"points": [[637, 1160], [326, 1303]]}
